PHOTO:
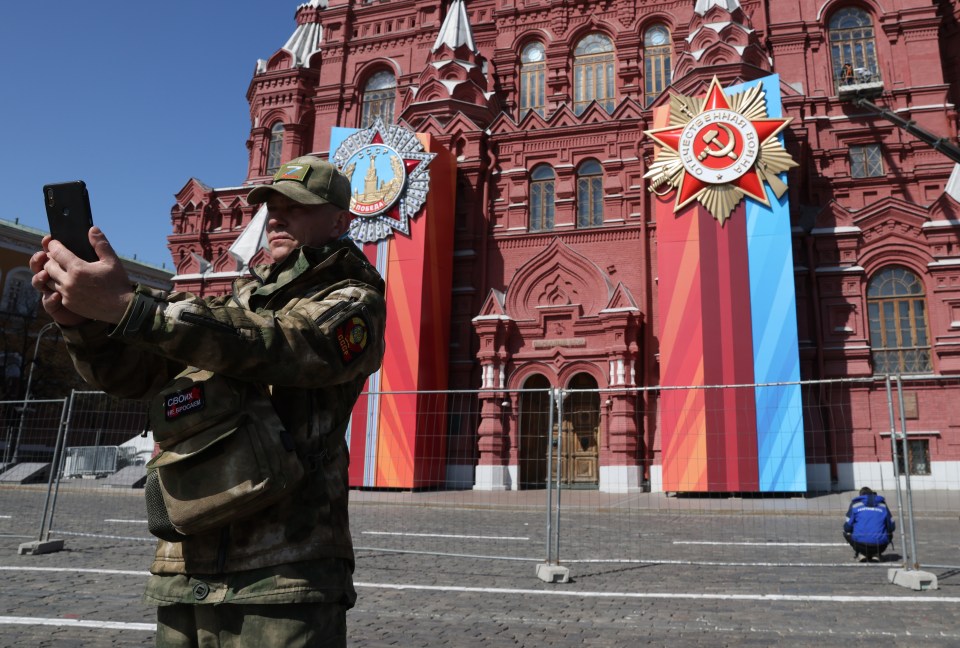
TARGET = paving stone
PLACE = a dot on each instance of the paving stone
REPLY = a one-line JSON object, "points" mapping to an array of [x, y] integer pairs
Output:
{"points": [[500, 602]]}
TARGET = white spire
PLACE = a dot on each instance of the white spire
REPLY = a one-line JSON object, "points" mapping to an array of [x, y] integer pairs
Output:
{"points": [[703, 6], [304, 42], [455, 30]]}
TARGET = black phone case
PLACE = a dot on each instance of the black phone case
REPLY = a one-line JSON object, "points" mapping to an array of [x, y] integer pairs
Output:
{"points": [[69, 216]]}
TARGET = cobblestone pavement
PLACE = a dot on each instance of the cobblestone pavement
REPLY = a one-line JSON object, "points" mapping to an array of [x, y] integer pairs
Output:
{"points": [[788, 581]]}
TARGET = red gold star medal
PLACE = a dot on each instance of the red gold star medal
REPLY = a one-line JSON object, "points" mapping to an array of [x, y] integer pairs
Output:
{"points": [[719, 149]]}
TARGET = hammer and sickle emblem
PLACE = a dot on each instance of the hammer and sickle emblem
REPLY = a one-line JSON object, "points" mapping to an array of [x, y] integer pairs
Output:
{"points": [[725, 150]]}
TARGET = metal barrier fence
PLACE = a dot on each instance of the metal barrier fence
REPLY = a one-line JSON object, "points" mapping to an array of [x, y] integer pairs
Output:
{"points": [[71, 460], [30, 434], [552, 495]]}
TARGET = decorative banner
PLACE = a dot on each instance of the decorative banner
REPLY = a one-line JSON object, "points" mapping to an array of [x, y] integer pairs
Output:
{"points": [[405, 213], [726, 294]]}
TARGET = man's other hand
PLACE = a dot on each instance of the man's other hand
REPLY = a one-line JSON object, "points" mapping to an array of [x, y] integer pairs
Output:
{"points": [[51, 300]]}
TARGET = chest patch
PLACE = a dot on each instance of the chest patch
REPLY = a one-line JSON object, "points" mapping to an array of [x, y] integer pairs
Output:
{"points": [[183, 402], [351, 338]]}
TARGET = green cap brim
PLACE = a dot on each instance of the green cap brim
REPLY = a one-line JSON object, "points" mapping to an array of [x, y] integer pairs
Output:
{"points": [[292, 190]]}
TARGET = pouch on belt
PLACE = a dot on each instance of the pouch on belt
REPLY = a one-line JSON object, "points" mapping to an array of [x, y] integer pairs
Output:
{"points": [[225, 455]]}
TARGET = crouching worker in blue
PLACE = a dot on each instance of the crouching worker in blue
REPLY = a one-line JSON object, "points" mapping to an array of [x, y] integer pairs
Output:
{"points": [[869, 526], [250, 395]]}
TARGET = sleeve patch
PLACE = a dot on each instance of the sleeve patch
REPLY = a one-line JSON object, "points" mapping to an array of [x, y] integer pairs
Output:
{"points": [[352, 338]]}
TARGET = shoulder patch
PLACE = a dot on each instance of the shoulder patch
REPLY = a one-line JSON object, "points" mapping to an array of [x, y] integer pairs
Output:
{"points": [[352, 335]]}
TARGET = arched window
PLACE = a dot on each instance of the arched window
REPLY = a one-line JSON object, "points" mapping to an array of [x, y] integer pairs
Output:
{"points": [[898, 322], [275, 151], [593, 73], [532, 70], [19, 297], [656, 61], [379, 96], [590, 194], [852, 46], [541, 198]]}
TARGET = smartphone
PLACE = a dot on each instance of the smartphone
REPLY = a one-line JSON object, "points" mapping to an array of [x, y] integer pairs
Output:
{"points": [[69, 216]]}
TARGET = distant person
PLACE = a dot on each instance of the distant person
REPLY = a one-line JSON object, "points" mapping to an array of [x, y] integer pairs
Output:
{"points": [[846, 74], [282, 360], [869, 526]]}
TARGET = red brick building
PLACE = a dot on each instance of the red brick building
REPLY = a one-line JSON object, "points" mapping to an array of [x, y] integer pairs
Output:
{"points": [[544, 104]]}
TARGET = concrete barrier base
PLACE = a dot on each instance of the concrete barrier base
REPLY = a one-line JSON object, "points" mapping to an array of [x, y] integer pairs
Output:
{"points": [[912, 578], [553, 573], [40, 547]]}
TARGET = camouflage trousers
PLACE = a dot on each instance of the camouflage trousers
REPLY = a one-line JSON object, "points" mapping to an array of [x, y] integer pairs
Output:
{"points": [[232, 625]]}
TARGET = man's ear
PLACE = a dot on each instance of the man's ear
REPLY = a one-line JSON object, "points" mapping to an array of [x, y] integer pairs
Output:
{"points": [[341, 224]]}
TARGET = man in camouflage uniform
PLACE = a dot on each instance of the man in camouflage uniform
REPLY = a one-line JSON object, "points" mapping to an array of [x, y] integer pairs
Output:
{"points": [[284, 575]]}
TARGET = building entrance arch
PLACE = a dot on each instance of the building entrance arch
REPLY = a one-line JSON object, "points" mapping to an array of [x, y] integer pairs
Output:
{"points": [[580, 429], [533, 432]]}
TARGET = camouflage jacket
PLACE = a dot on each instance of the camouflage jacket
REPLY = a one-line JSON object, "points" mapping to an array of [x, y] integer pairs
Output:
{"points": [[284, 328]]}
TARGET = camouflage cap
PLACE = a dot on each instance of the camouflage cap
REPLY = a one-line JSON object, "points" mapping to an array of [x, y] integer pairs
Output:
{"points": [[308, 180]]}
